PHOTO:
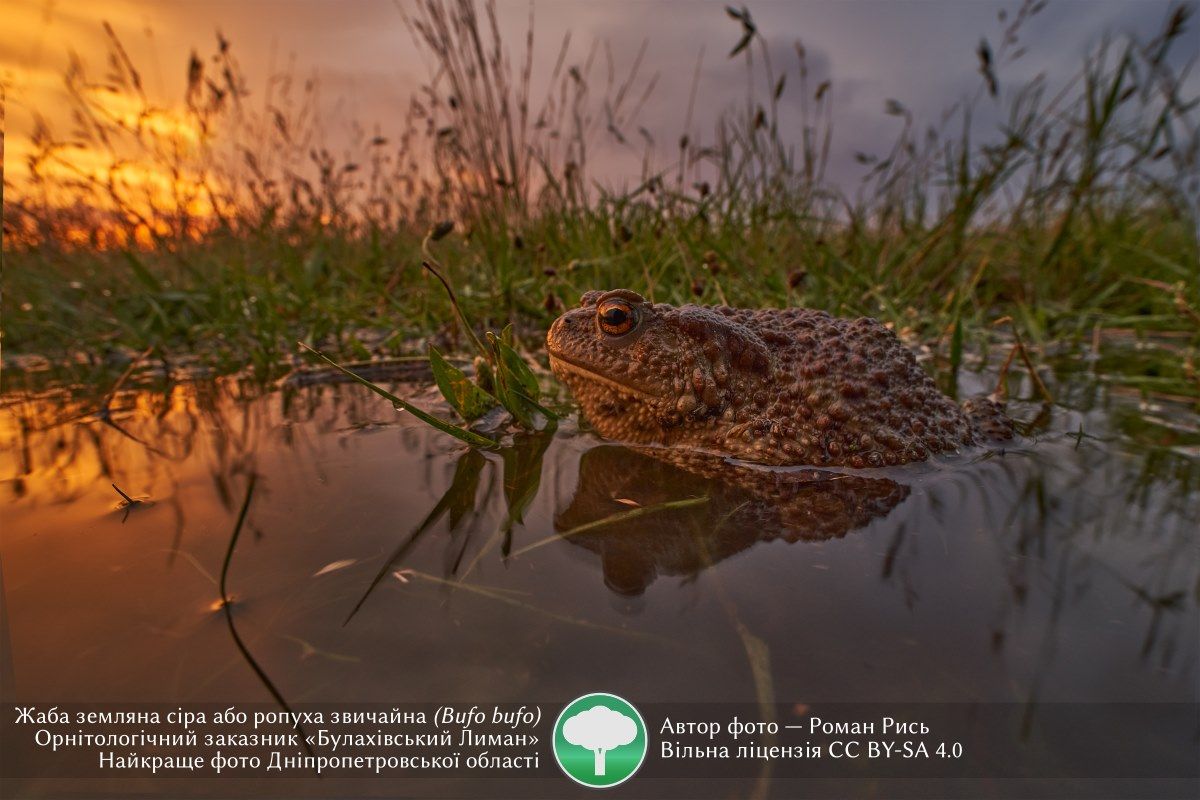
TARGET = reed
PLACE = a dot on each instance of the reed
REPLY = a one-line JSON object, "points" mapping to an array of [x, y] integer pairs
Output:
{"points": [[1077, 218]]}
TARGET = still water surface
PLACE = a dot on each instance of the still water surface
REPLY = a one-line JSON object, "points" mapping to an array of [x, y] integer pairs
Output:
{"points": [[383, 562]]}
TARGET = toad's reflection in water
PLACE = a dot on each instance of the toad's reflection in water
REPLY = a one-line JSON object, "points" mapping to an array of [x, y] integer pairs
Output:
{"points": [[1057, 572], [745, 505]]}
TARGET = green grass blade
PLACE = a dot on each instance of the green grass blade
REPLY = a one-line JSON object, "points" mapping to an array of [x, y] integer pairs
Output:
{"points": [[512, 365], [470, 437], [621, 516]]}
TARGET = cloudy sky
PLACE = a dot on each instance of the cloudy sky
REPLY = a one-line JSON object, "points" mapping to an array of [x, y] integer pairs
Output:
{"points": [[920, 53]]}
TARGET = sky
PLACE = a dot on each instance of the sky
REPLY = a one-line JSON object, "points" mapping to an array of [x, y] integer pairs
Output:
{"points": [[920, 53]]}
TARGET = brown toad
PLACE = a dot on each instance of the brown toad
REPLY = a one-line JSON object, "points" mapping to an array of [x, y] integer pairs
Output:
{"points": [[776, 386]]}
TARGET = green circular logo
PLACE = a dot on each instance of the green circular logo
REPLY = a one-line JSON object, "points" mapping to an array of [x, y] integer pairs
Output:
{"points": [[600, 740]]}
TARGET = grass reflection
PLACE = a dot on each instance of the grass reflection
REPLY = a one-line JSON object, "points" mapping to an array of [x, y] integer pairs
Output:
{"points": [[227, 605], [1084, 531]]}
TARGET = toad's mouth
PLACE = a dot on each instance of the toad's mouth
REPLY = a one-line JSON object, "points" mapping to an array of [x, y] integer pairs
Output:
{"points": [[563, 363]]}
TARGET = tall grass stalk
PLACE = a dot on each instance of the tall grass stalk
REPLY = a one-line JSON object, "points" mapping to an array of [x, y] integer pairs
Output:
{"points": [[1079, 213]]}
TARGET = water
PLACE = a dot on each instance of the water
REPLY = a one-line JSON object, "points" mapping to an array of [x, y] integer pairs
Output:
{"points": [[382, 562]]}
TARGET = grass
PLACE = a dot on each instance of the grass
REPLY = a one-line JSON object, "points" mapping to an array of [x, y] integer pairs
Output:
{"points": [[465, 436], [1077, 218], [622, 516]]}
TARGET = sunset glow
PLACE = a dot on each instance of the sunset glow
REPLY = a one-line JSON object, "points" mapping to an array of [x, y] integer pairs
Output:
{"points": [[152, 114]]}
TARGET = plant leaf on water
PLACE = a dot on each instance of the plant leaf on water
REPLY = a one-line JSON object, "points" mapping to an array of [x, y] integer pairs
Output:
{"points": [[462, 393], [469, 437], [512, 365], [517, 386]]}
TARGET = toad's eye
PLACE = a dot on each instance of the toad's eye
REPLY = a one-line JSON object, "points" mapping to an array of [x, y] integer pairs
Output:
{"points": [[617, 317]]}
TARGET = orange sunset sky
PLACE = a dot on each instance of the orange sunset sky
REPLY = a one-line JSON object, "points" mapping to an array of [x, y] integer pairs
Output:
{"points": [[922, 53]]}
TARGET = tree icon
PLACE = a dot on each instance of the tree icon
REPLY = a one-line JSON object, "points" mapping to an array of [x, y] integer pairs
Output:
{"points": [[599, 729], [600, 740]]}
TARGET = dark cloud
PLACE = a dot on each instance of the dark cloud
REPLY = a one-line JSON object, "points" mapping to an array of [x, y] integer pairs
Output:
{"points": [[920, 53]]}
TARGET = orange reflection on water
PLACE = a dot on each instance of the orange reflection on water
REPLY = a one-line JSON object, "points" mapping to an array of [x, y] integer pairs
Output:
{"points": [[55, 449]]}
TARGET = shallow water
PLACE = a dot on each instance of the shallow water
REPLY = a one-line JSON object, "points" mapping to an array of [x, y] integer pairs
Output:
{"points": [[383, 562]]}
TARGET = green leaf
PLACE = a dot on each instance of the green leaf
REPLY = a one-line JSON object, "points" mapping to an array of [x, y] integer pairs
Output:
{"points": [[512, 365], [517, 387], [514, 403], [463, 395], [470, 437]]}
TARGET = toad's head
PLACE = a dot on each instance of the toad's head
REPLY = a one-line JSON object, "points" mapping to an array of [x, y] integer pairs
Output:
{"points": [[654, 373]]}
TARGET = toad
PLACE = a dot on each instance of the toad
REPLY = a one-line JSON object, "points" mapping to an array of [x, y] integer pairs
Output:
{"points": [[773, 386]]}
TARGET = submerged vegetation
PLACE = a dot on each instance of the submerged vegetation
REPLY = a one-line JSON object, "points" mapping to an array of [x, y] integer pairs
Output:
{"points": [[218, 232]]}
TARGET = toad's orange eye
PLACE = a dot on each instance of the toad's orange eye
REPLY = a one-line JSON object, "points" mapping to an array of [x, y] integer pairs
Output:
{"points": [[617, 317]]}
